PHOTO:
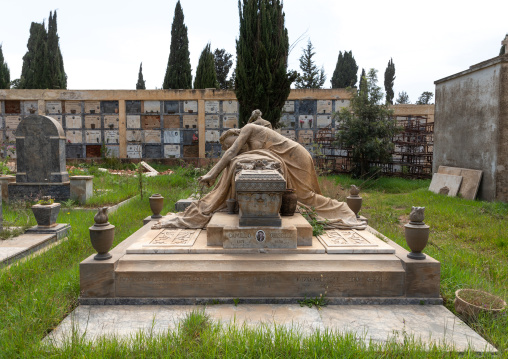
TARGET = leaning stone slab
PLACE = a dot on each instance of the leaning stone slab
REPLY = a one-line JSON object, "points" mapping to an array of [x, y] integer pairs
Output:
{"points": [[449, 183], [470, 180]]}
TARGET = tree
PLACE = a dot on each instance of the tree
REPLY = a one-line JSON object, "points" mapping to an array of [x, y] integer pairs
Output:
{"points": [[34, 73], [425, 98], [262, 80], [206, 77], [363, 85], [5, 73], [345, 71], [57, 77], [389, 80], [178, 72], [140, 85], [403, 98], [223, 64], [367, 127], [311, 77]]}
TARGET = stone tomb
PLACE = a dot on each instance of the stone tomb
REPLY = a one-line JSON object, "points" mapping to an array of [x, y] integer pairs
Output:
{"points": [[40, 145]]}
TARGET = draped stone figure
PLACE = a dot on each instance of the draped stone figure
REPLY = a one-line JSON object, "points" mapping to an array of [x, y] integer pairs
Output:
{"points": [[256, 142]]}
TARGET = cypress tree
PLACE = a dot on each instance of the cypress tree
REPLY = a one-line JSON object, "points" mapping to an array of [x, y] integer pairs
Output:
{"points": [[140, 85], [363, 85], [34, 73], [345, 71], [223, 64], [179, 72], [206, 77], [5, 73], [262, 80], [58, 78], [389, 79], [311, 77]]}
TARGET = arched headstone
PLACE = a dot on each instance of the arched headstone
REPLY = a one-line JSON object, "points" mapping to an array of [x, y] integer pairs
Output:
{"points": [[40, 149]]}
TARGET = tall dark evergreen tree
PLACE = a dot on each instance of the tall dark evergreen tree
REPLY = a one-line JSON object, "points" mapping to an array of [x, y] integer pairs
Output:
{"points": [[311, 77], [57, 76], [262, 79], [35, 70], [223, 64], [178, 72], [345, 71], [363, 84], [206, 77], [140, 85], [5, 73], [389, 80]]}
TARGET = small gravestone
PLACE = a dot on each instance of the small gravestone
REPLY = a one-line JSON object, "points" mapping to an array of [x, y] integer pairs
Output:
{"points": [[40, 146]]}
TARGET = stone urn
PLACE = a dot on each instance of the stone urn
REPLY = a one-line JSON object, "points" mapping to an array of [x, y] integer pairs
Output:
{"points": [[156, 204], [416, 233], [469, 303], [46, 212], [354, 201], [289, 203], [102, 234]]}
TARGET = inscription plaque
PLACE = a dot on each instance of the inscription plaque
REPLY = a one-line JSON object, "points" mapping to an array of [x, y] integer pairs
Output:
{"points": [[153, 151], [133, 121], [212, 136], [230, 106], [92, 121], [109, 106], [73, 121], [171, 136], [212, 121], [152, 136], [324, 121], [92, 106], [190, 106], [53, 107], [305, 136], [152, 106], [324, 106], [289, 106], [288, 121], [74, 136], [133, 135], [211, 106], [93, 136], [134, 151], [30, 107], [73, 107], [133, 106], [230, 121], [111, 121], [111, 137], [190, 121], [171, 107], [171, 151], [264, 237], [12, 122]]}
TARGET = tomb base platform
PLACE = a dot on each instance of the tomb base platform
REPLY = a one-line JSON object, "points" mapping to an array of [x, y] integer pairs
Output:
{"points": [[26, 191], [177, 266]]}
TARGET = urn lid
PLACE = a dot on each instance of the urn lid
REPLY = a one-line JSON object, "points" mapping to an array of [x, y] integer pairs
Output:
{"points": [[260, 180]]}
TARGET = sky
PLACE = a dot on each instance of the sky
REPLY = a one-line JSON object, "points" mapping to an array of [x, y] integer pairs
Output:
{"points": [[103, 42]]}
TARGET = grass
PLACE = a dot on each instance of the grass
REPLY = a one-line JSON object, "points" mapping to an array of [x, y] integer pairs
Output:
{"points": [[467, 237]]}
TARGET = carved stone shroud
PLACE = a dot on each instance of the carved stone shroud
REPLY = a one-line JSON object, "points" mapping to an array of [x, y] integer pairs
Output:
{"points": [[259, 194]]}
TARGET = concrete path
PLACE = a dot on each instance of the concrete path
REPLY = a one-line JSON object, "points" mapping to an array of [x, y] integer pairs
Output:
{"points": [[428, 323]]}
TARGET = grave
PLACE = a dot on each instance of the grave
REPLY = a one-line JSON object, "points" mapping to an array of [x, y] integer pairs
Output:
{"points": [[40, 146]]}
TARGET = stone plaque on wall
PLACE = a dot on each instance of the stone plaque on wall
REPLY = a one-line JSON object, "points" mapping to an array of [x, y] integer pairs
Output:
{"points": [[171, 151], [212, 136], [229, 121], [133, 107], [111, 121], [134, 151], [151, 106], [305, 121], [191, 151], [133, 121], [190, 121], [324, 120], [341, 104], [211, 106], [324, 106], [289, 106], [113, 151], [9, 136], [30, 107], [289, 134], [288, 121], [171, 136], [109, 106], [153, 151], [92, 106], [212, 121], [12, 106], [172, 121], [306, 107], [212, 150], [57, 118], [92, 121], [93, 136], [230, 106], [12, 122], [152, 136], [171, 107], [74, 136], [189, 137], [111, 137], [190, 106], [73, 107], [74, 151], [133, 135], [93, 151], [73, 121], [305, 136], [53, 107], [150, 122]]}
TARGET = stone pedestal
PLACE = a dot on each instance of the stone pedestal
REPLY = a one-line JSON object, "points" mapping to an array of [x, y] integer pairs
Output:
{"points": [[60, 230], [31, 191], [81, 188], [4, 183], [182, 204]]}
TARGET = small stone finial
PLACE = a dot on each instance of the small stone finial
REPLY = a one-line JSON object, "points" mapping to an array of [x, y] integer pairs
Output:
{"points": [[101, 217], [417, 215], [354, 191]]}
